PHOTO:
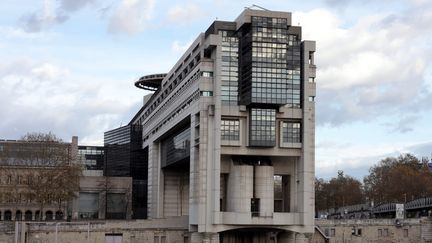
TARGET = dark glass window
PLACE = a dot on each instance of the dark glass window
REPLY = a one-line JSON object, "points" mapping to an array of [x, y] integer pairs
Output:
{"points": [[229, 72], [291, 132], [271, 64], [262, 127], [88, 205], [116, 206], [92, 157], [176, 148], [230, 130]]}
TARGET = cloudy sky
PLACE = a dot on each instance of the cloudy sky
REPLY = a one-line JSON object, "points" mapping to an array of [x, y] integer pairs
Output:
{"points": [[68, 66]]}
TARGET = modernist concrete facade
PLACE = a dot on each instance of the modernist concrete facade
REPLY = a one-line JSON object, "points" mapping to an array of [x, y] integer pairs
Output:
{"points": [[229, 133]]}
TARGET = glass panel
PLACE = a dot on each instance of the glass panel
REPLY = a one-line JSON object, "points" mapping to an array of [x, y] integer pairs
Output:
{"points": [[88, 205], [229, 74], [263, 127], [116, 205], [291, 132], [230, 130]]}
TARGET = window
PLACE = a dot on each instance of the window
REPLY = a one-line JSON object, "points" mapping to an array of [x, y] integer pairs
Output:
{"points": [[291, 132], [281, 193], [380, 234], [116, 206], [385, 233], [311, 98], [311, 57], [230, 130], [207, 74], [229, 68], [262, 127], [332, 232], [206, 93], [88, 205], [255, 207], [311, 80]]}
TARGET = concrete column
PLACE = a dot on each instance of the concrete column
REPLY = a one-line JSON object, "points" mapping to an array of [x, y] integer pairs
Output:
{"points": [[197, 237], [214, 238], [240, 188], [153, 181], [264, 189]]}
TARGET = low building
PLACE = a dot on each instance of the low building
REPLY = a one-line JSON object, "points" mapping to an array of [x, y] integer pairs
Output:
{"points": [[28, 167]]}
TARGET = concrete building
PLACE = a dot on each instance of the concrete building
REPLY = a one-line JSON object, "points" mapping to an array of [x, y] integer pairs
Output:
{"points": [[228, 134]]}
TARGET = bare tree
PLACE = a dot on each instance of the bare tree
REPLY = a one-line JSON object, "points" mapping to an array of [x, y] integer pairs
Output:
{"points": [[45, 164]]}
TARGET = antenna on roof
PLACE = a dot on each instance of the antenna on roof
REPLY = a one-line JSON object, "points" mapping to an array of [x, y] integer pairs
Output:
{"points": [[256, 6]]}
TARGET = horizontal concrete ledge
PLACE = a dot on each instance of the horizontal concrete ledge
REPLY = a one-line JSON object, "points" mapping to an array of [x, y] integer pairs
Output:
{"points": [[173, 223], [279, 219]]}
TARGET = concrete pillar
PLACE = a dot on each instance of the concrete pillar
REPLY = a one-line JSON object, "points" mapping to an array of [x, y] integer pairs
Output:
{"points": [[240, 188], [264, 189], [214, 238], [154, 184], [197, 237]]}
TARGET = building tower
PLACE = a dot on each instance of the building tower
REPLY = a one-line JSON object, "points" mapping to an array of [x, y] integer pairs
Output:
{"points": [[229, 133]]}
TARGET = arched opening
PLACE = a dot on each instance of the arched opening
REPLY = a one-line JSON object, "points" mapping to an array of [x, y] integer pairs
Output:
{"points": [[8, 215], [28, 215], [48, 215], [59, 215], [37, 215], [18, 215]]}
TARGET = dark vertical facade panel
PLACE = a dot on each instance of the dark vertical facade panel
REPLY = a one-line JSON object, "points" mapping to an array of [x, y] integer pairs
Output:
{"points": [[125, 157]]}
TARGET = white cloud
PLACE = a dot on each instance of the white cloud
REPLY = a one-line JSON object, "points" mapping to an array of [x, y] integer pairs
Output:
{"points": [[131, 16], [180, 48], [185, 13], [47, 17], [43, 96], [373, 68], [49, 71]]}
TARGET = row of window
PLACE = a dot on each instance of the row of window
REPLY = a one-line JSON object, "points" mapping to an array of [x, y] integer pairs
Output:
{"points": [[229, 74], [331, 232], [262, 129]]}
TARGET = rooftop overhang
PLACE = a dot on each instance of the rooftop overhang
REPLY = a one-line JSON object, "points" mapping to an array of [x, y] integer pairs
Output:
{"points": [[150, 82]]}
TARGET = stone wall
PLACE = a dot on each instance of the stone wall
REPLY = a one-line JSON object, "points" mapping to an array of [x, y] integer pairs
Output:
{"points": [[169, 230], [376, 230], [175, 230]]}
